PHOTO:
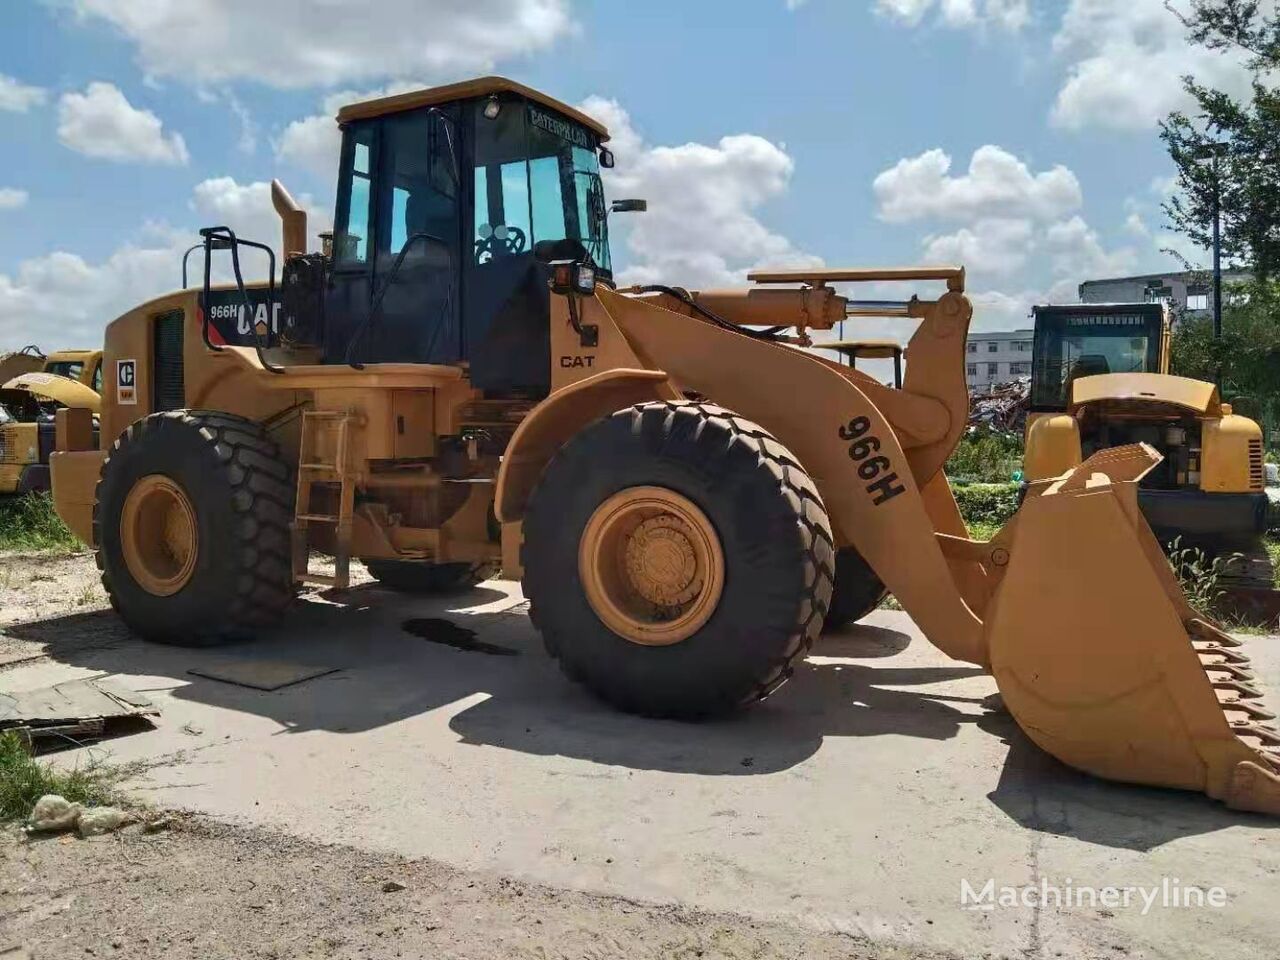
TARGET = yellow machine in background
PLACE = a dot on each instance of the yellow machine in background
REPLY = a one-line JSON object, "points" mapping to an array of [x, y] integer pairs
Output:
{"points": [[1100, 379], [459, 382], [36, 387]]}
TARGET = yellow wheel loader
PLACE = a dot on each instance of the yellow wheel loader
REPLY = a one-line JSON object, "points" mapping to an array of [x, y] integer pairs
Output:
{"points": [[457, 383], [1100, 378], [28, 403]]}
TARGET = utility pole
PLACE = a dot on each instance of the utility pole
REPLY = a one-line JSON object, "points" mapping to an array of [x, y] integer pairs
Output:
{"points": [[1217, 252]]}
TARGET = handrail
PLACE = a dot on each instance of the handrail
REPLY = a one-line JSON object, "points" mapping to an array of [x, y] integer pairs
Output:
{"points": [[214, 237]]}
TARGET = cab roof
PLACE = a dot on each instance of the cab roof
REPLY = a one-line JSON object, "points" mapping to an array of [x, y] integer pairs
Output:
{"points": [[466, 90]]}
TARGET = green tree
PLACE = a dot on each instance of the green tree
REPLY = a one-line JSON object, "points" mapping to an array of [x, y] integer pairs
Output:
{"points": [[1230, 144], [1248, 353]]}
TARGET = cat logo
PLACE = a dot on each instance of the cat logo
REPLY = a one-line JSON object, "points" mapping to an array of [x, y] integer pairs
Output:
{"points": [[584, 361], [126, 381]]}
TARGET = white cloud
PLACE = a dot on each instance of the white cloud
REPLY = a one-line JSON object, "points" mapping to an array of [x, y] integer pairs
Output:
{"points": [[12, 199], [312, 144], [993, 245], [64, 295], [1017, 233], [997, 184], [702, 227], [101, 123], [1007, 14], [1125, 64], [1076, 251], [18, 97], [321, 43]]}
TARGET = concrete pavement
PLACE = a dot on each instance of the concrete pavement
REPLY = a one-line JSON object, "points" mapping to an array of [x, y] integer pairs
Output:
{"points": [[857, 799]]}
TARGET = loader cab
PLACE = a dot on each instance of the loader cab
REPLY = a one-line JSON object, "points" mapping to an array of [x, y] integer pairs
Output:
{"points": [[1081, 340], [443, 198]]}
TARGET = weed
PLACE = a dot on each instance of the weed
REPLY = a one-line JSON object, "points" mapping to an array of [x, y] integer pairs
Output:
{"points": [[30, 523], [1200, 575], [24, 780]]}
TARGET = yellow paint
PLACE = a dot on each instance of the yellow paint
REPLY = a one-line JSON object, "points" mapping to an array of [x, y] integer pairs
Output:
{"points": [[1225, 462], [1052, 447], [64, 390], [1195, 396]]}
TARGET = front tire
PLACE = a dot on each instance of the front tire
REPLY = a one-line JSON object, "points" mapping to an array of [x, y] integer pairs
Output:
{"points": [[191, 526], [678, 560]]}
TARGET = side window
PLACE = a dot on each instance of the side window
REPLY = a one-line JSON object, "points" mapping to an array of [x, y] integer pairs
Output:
{"points": [[423, 194], [352, 234], [97, 377]]}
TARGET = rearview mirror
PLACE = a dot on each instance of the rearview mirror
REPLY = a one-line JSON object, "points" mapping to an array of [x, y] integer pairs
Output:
{"points": [[630, 206], [606, 158]]}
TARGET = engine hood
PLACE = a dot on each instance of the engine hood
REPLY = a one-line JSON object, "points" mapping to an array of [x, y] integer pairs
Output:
{"points": [[63, 390], [1195, 396]]}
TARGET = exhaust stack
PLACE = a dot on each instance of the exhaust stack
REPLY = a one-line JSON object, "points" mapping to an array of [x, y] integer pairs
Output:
{"points": [[293, 220]]}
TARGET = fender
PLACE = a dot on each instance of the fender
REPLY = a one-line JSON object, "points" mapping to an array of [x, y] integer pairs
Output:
{"points": [[558, 418]]}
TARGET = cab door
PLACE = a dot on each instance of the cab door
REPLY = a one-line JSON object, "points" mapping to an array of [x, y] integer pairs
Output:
{"points": [[416, 261]]}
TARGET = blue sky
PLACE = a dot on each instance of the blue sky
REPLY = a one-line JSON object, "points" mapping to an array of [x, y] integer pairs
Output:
{"points": [[761, 131]]}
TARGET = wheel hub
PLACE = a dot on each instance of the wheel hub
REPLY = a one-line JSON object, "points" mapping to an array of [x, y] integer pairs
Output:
{"points": [[651, 565], [159, 535]]}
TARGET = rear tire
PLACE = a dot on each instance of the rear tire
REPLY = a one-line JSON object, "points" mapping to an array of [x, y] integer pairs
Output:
{"points": [[191, 526], [857, 590], [409, 576], [754, 510]]}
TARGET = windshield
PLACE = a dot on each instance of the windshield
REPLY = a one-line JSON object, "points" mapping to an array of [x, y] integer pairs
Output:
{"points": [[550, 189], [65, 368], [1073, 345]]}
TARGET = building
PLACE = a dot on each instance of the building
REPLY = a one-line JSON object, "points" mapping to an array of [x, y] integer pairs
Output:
{"points": [[996, 357], [1190, 294]]}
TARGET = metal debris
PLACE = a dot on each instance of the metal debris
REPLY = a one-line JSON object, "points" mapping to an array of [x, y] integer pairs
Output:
{"points": [[1004, 408]]}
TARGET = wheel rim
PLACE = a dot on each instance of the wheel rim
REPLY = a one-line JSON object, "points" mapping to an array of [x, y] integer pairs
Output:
{"points": [[159, 534], [651, 565]]}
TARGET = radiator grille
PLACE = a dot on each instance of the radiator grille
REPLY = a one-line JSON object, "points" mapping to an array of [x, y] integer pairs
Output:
{"points": [[167, 390], [1256, 470]]}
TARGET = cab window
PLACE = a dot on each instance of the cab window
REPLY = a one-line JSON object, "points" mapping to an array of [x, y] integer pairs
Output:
{"points": [[353, 229]]}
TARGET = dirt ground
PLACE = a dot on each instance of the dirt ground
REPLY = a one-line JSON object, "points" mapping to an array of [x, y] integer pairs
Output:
{"points": [[204, 890]]}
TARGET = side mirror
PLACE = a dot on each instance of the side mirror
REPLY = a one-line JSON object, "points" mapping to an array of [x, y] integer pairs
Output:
{"points": [[606, 158], [629, 206]]}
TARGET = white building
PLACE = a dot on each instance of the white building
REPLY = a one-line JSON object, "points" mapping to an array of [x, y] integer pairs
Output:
{"points": [[996, 357]]}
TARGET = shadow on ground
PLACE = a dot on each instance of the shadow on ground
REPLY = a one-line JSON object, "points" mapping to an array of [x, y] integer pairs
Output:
{"points": [[397, 657], [1045, 795]]}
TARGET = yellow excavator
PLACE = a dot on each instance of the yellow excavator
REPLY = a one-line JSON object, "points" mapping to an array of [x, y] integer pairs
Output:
{"points": [[457, 381], [1100, 378]]}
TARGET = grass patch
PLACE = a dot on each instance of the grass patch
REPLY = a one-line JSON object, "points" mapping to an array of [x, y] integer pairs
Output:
{"points": [[30, 523], [986, 456], [24, 780], [985, 506]]}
